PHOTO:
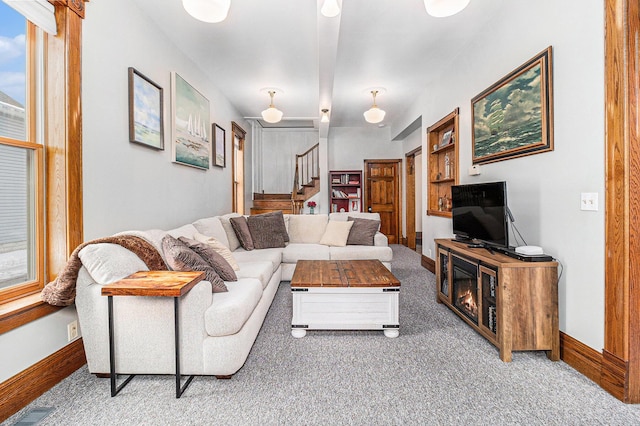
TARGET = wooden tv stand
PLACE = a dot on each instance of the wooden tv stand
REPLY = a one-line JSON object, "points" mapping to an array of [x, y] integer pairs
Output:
{"points": [[512, 303]]}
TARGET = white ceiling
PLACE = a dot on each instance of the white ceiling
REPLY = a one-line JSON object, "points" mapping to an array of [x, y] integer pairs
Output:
{"points": [[323, 62]]}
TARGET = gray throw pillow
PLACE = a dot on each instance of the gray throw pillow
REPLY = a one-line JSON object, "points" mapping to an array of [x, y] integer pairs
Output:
{"points": [[213, 258], [362, 231], [242, 232], [278, 223], [181, 258], [267, 230]]}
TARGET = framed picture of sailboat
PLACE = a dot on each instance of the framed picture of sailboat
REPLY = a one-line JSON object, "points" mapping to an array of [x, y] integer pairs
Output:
{"points": [[191, 130]]}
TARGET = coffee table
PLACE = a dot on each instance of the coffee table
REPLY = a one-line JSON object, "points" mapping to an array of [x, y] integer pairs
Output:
{"points": [[344, 295]]}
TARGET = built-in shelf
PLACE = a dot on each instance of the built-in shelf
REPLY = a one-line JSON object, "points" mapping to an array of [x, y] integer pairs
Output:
{"points": [[345, 190], [442, 143]]}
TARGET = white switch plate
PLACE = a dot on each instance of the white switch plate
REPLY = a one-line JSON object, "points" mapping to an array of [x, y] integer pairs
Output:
{"points": [[589, 201]]}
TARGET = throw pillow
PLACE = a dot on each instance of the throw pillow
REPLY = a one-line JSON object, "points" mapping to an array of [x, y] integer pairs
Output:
{"points": [[182, 258], [220, 248], [213, 258], [362, 231], [108, 263], [234, 242], [242, 232], [336, 234], [267, 230]]}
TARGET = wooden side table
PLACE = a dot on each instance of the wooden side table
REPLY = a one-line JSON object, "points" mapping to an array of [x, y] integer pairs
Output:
{"points": [[150, 283]]}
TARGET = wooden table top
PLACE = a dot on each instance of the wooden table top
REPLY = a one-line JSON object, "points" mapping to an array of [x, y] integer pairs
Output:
{"points": [[154, 283], [342, 273]]}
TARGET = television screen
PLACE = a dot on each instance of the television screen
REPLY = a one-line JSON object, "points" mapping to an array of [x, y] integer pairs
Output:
{"points": [[479, 212]]}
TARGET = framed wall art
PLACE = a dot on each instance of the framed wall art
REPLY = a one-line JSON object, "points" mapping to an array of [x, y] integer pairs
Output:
{"points": [[146, 123], [514, 117], [191, 139], [219, 146]]}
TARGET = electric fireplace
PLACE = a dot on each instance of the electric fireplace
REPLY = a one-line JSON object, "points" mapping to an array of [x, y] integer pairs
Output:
{"points": [[465, 288]]}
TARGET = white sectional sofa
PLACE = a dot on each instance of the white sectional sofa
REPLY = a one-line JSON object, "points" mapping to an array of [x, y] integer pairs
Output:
{"points": [[217, 330]]}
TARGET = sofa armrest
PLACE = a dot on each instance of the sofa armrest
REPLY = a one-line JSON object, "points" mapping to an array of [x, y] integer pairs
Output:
{"points": [[380, 239]]}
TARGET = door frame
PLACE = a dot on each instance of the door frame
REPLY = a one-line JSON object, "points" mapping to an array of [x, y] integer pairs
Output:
{"points": [[237, 188], [410, 204]]}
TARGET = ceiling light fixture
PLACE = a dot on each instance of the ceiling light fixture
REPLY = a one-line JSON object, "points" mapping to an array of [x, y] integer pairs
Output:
{"points": [[444, 8], [374, 114], [272, 114], [330, 8], [211, 11], [325, 116]]}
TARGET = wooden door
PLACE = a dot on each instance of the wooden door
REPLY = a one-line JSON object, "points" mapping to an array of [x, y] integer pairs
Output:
{"points": [[410, 210], [382, 195]]}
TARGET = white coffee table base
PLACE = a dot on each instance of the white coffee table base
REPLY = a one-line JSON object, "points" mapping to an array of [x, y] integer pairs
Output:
{"points": [[345, 308]]}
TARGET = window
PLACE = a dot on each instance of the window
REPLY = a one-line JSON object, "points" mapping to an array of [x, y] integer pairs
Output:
{"points": [[21, 264]]}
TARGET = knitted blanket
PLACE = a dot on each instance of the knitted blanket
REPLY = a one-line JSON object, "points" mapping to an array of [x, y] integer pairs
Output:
{"points": [[62, 291]]}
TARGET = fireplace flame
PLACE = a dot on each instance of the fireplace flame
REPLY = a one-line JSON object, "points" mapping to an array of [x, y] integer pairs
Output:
{"points": [[467, 302]]}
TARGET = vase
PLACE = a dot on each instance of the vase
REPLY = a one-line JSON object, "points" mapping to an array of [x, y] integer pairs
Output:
{"points": [[311, 210]]}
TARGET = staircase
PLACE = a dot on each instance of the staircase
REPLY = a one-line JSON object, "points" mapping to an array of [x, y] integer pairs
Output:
{"points": [[306, 184]]}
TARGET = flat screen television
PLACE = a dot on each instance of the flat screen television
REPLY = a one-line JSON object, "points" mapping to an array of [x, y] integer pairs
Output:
{"points": [[479, 213]]}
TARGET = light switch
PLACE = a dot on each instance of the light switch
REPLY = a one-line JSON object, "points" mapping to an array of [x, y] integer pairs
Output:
{"points": [[589, 201]]}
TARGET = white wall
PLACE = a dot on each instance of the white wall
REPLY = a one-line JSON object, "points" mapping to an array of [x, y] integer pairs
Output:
{"points": [[128, 186], [279, 149], [544, 189], [350, 146]]}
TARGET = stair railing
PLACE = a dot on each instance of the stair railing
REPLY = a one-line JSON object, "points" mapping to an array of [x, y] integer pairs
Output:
{"points": [[307, 168]]}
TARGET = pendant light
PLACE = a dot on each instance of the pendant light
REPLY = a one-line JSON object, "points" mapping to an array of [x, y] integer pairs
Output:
{"points": [[444, 8], [330, 8], [325, 116], [374, 114], [272, 114], [211, 11]]}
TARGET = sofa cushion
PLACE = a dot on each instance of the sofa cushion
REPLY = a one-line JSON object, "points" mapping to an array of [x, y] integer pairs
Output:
{"points": [[107, 263], [362, 231], [213, 227], [336, 234], [294, 252], [274, 255], [187, 230], [213, 258], [181, 258], [220, 248], [267, 230], [260, 270], [234, 242], [345, 216], [307, 228], [383, 254], [229, 311], [241, 228]]}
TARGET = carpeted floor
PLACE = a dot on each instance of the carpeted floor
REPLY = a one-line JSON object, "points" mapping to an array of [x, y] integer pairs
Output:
{"points": [[439, 371]]}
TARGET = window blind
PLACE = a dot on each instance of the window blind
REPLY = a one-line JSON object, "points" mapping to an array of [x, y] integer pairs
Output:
{"points": [[39, 12]]}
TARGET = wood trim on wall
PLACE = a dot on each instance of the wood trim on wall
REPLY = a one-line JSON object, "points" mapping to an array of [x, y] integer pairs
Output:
{"points": [[64, 221], [24, 387], [581, 357], [620, 373], [428, 263]]}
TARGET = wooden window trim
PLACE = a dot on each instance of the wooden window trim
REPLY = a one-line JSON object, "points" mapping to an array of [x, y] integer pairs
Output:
{"points": [[63, 156]]}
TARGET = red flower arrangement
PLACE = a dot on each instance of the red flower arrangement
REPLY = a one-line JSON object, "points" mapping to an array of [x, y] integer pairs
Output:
{"points": [[311, 204]]}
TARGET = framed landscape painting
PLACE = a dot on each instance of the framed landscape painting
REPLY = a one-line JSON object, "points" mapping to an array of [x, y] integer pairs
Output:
{"points": [[219, 146], [146, 124], [514, 117], [191, 125]]}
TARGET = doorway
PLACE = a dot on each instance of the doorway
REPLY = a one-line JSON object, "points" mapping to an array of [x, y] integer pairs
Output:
{"points": [[237, 167], [413, 207], [382, 195]]}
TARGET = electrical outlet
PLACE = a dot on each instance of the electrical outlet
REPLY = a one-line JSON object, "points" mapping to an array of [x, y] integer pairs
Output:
{"points": [[430, 253], [589, 201], [72, 330]]}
